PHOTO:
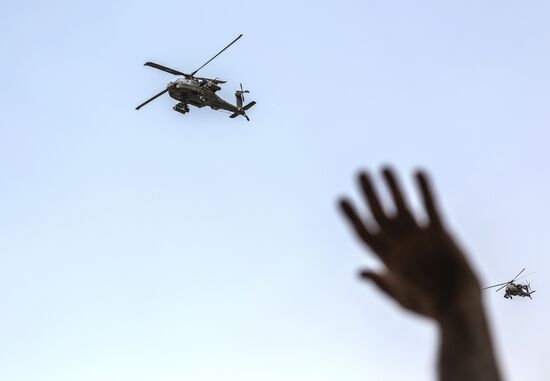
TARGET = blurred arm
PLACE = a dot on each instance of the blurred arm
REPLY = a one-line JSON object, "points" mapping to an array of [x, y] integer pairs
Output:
{"points": [[465, 349]]}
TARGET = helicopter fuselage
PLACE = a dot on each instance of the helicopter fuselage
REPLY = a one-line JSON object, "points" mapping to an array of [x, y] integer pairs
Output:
{"points": [[199, 94], [517, 289]]}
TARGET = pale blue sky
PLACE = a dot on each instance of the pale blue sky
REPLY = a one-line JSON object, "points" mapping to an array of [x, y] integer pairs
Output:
{"points": [[154, 246]]}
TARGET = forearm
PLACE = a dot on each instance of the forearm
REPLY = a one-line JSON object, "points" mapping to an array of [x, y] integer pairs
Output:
{"points": [[466, 351]]}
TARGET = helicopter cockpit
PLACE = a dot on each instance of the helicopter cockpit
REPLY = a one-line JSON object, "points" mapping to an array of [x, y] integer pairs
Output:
{"points": [[186, 82]]}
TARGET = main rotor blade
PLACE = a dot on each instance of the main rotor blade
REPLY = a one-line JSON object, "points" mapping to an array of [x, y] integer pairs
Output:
{"points": [[525, 276], [152, 99], [221, 51], [164, 68], [210, 79], [495, 285], [518, 275], [498, 289]]}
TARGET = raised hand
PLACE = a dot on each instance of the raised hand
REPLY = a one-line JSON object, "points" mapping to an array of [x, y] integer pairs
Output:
{"points": [[426, 272]]}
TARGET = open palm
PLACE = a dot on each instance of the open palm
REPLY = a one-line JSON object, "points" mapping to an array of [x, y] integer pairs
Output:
{"points": [[426, 271]]}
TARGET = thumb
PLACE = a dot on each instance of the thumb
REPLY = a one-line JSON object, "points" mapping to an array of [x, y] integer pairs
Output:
{"points": [[380, 280]]}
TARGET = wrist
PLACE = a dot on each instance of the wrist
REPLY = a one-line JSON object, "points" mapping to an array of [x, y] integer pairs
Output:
{"points": [[462, 314], [465, 327], [466, 350]]}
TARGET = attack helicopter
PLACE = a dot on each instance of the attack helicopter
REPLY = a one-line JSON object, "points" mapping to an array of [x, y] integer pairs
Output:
{"points": [[514, 289], [200, 91]]}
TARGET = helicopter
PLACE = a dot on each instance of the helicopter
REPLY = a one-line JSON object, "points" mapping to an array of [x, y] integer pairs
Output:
{"points": [[200, 91], [514, 289]]}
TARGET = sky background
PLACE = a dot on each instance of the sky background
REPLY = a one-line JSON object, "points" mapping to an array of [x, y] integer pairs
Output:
{"points": [[147, 245]]}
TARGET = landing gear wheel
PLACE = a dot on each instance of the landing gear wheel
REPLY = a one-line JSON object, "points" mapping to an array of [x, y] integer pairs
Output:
{"points": [[182, 108]]}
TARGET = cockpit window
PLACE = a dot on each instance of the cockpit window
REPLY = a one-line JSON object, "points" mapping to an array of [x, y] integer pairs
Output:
{"points": [[187, 81]]}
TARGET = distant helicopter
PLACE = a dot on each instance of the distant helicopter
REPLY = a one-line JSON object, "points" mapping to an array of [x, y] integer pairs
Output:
{"points": [[200, 91], [514, 289]]}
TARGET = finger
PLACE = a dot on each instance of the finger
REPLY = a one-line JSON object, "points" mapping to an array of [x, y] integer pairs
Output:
{"points": [[428, 198], [380, 281], [385, 284], [397, 195], [358, 225], [371, 196]]}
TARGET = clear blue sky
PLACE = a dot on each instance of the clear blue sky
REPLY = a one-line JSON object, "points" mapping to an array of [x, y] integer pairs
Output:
{"points": [[147, 245]]}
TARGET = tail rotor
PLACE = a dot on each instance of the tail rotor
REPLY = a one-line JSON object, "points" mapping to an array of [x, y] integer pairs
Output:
{"points": [[529, 291], [241, 110], [239, 94]]}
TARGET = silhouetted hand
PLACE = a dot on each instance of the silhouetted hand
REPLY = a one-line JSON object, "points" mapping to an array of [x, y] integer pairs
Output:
{"points": [[426, 271]]}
